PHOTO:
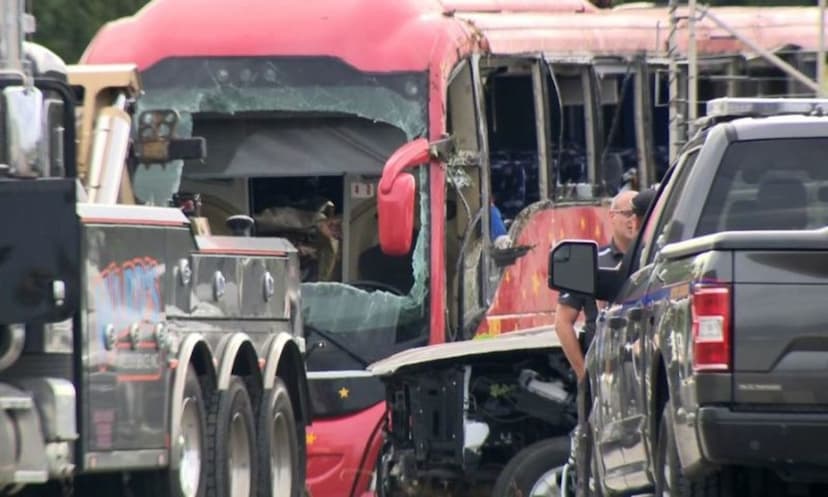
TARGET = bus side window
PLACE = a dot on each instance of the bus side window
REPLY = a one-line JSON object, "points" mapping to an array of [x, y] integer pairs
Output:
{"points": [[512, 135]]}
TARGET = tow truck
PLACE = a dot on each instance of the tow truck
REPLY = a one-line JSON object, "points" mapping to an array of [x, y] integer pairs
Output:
{"points": [[137, 352]]}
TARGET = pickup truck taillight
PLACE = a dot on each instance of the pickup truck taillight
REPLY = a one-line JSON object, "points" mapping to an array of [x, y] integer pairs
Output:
{"points": [[710, 305]]}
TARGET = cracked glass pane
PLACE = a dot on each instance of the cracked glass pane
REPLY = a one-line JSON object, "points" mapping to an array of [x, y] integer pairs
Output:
{"points": [[375, 322], [232, 86], [258, 114]]}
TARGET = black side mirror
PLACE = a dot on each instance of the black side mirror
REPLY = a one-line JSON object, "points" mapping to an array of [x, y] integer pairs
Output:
{"points": [[573, 266]]}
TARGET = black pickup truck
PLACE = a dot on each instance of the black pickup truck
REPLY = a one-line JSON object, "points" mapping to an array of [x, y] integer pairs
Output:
{"points": [[708, 374]]}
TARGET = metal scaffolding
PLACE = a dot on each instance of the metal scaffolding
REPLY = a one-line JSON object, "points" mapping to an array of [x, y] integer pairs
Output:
{"points": [[676, 116], [683, 99]]}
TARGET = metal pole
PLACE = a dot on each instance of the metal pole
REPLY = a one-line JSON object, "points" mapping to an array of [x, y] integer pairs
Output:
{"points": [[541, 126], [673, 73], [781, 64], [643, 124], [692, 70], [591, 128], [820, 69]]}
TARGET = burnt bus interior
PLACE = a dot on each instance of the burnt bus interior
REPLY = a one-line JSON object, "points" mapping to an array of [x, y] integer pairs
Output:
{"points": [[589, 131], [588, 115], [545, 125]]}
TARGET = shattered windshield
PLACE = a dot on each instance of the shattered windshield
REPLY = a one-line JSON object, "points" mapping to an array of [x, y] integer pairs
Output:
{"points": [[232, 85], [299, 145]]}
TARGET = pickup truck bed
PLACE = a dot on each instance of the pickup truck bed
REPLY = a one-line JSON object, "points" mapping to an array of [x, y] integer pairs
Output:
{"points": [[771, 405]]}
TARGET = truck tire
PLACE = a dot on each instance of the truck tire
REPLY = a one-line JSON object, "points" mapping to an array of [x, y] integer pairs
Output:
{"points": [[281, 462], [231, 434], [669, 479], [190, 477], [531, 472]]}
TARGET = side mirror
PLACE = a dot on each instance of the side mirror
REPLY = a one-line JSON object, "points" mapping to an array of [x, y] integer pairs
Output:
{"points": [[573, 266], [395, 197]]}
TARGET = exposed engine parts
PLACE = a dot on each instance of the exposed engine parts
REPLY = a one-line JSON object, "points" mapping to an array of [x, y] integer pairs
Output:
{"points": [[451, 424]]}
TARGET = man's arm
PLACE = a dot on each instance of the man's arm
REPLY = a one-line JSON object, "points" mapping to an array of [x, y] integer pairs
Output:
{"points": [[565, 317]]}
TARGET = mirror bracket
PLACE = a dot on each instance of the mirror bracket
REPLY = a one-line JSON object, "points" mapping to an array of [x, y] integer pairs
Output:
{"points": [[396, 191], [442, 149]]}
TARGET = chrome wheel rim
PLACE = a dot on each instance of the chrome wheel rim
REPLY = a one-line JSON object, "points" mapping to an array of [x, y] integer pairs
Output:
{"points": [[189, 468], [548, 485], [240, 478], [281, 459]]}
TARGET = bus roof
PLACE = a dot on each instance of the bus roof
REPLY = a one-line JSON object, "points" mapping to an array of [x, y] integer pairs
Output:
{"points": [[628, 30], [404, 35], [371, 35]]}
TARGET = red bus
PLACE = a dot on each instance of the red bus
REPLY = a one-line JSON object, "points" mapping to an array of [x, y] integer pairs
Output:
{"points": [[551, 107]]}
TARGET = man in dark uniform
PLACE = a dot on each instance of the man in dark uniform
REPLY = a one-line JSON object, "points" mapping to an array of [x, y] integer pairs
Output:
{"points": [[570, 305], [626, 214]]}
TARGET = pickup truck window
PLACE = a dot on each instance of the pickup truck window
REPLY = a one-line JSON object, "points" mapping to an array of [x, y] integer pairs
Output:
{"points": [[665, 206], [779, 184]]}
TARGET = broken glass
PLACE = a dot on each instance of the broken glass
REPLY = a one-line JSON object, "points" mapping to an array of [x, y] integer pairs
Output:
{"points": [[376, 321], [238, 85]]}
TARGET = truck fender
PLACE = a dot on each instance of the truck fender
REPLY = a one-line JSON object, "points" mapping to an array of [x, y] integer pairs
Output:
{"points": [[185, 355], [284, 347], [228, 351], [686, 441]]}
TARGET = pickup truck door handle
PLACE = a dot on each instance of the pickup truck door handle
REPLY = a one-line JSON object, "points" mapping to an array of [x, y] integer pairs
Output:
{"points": [[635, 314]]}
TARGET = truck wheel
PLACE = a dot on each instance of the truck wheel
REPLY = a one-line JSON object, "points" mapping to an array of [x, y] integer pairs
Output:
{"points": [[534, 471], [281, 465], [189, 479], [190, 474], [232, 444], [670, 481]]}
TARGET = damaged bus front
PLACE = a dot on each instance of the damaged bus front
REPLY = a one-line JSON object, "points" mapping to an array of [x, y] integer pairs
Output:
{"points": [[300, 146]]}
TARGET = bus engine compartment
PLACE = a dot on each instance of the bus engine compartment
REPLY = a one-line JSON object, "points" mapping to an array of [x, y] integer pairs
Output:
{"points": [[452, 426]]}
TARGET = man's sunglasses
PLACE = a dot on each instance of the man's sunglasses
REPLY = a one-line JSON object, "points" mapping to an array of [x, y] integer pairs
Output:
{"points": [[626, 213]]}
